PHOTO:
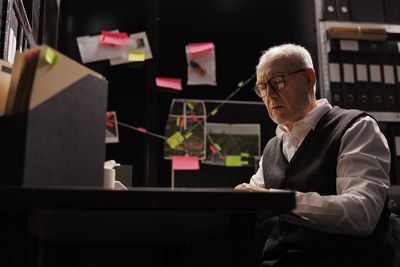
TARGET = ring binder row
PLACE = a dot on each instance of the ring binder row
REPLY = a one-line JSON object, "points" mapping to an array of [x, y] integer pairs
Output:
{"points": [[365, 74], [362, 10]]}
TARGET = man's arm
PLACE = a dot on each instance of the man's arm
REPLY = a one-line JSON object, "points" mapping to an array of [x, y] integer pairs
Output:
{"points": [[256, 182], [362, 184]]}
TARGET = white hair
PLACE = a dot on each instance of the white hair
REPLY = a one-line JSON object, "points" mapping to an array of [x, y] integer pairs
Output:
{"points": [[295, 54]]}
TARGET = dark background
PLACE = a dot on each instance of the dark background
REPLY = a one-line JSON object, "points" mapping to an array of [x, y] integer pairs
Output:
{"points": [[240, 30]]}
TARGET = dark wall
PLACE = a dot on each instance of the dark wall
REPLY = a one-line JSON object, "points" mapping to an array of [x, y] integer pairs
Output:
{"points": [[240, 30]]}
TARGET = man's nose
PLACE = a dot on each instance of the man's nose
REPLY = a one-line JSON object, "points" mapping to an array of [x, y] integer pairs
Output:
{"points": [[272, 93]]}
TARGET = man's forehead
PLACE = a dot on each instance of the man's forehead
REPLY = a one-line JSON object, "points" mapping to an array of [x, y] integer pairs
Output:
{"points": [[276, 65]]}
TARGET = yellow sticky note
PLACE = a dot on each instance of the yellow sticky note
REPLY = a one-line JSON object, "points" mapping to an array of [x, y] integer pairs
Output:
{"points": [[174, 140], [51, 57], [214, 112], [190, 105], [245, 154], [244, 163], [189, 134], [240, 84], [136, 56], [233, 161], [217, 146], [178, 121]]}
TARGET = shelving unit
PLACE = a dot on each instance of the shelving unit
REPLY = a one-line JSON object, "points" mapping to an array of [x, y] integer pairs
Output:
{"points": [[16, 31], [27, 23], [323, 63], [24, 21]]}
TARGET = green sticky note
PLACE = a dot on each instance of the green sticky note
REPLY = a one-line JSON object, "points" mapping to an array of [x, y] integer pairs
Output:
{"points": [[136, 56], [245, 154], [233, 161], [190, 105], [217, 146], [178, 121], [174, 140], [240, 84], [214, 112], [51, 57], [189, 134]]}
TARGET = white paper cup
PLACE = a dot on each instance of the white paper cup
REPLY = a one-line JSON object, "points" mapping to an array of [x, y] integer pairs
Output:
{"points": [[109, 178]]}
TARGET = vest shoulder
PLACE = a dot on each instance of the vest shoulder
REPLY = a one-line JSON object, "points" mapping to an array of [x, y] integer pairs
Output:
{"points": [[347, 115], [337, 111]]}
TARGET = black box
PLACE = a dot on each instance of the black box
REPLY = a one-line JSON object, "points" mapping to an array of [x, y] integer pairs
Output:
{"points": [[61, 142]]}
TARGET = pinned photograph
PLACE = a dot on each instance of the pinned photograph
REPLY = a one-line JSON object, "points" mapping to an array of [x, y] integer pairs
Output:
{"points": [[92, 50], [233, 145], [135, 42], [186, 129], [112, 128], [200, 59]]}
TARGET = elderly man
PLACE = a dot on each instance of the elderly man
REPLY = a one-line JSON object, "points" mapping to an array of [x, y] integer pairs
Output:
{"points": [[337, 161]]}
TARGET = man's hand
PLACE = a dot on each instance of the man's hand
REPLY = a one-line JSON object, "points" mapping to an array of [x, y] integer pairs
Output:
{"points": [[250, 188]]}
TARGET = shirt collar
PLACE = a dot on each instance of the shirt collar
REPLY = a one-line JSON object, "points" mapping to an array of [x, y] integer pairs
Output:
{"points": [[311, 119]]}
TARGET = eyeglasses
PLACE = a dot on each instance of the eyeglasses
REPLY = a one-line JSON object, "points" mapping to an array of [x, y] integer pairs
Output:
{"points": [[276, 83]]}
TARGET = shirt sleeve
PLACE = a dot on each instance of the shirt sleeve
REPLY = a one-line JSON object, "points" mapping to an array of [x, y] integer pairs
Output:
{"points": [[258, 178], [362, 184]]}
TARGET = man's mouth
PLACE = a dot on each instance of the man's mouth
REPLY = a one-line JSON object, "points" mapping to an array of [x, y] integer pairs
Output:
{"points": [[277, 107]]}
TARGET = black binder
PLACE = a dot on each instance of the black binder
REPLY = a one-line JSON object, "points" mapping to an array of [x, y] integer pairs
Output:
{"points": [[330, 10], [363, 98], [349, 88], [335, 75], [389, 78], [374, 51], [367, 10], [347, 50], [335, 81], [393, 137], [343, 10], [392, 11], [396, 62], [375, 86]]}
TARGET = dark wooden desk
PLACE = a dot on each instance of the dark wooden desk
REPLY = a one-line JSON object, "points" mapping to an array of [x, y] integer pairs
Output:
{"points": [[139, 216]]}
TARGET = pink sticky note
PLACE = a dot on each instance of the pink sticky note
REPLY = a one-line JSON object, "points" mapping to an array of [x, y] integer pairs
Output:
{"points": [[194, 118], [185, 163], [196, 48], [213, 149], [142, 129], [182, 121], [113, 38], [169, 83]]}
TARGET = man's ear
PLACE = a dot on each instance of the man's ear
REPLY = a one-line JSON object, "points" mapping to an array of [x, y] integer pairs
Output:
{"points": [[311, 78]]}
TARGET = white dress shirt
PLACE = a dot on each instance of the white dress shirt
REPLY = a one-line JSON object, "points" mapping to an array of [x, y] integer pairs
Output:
{"points": [[362, 182]]}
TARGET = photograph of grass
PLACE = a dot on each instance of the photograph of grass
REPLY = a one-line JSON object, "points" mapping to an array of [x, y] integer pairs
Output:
{"points": [[232, 145]]}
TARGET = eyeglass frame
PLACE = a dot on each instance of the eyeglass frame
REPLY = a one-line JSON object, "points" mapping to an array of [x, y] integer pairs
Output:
{"points": [[268, 83]]}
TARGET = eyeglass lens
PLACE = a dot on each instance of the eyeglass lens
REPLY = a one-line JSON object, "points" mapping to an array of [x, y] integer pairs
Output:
{"points": [[276, 84]]}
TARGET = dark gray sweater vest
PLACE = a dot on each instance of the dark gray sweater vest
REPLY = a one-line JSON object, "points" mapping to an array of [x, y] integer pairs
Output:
{"points": [[313, 169]]}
